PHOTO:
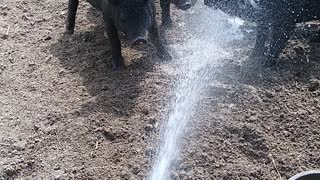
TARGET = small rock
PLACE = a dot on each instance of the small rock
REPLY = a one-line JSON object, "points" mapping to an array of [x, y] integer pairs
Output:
{"points": [[316, 93], [108, 134], [4, 13], [269, 94], [31, 64], [14, 152], [145, 111], [20, 146], [36, 127], [9, 171], [302, 112], [2, 67], [48, 58], [153, 91], [57, 177], [299, 50], [11, 60], [135, 170], [93, 155], [252, 119], [278, 89], [149, 152], [4, 36], [105, 88], [31, 146], [266, 100], [152, 120], [52, 118], [148, 127], [314, 85], [30, 162], [47, 38], [185, 167], [87, 38], [286, 133]]}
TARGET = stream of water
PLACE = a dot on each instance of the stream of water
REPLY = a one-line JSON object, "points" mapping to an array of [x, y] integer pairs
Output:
{"points": [[208, 32]]}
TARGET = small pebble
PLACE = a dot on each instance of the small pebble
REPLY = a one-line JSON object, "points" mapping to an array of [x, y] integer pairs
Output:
{"points": [[148, 127], [4, 36], [314, 85], [47, 38]]}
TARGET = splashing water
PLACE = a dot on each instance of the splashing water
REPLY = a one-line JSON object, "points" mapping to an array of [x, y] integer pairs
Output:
{"points": [[208, 31]]}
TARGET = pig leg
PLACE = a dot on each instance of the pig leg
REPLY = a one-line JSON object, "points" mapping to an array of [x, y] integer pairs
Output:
{"points": [[182, 4], [72, 11], [154, 36], [208, 3], [315, 38], [112, 32], [165, 7], [263, 32], [279, 40], [318, 37]]}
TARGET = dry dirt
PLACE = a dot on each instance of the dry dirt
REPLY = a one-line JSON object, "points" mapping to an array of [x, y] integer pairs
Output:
{"points": [[65, 115]]}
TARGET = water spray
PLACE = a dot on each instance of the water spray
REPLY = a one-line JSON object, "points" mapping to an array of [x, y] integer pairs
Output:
{"points": [[208, 31]]}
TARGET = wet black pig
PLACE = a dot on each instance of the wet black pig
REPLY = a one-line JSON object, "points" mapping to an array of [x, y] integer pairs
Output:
{"points": [[283, 15], [248, 10], [135, 18], [276, 20]]}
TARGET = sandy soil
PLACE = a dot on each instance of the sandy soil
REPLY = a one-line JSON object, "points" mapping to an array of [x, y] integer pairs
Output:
{"points": [[65, 115]]}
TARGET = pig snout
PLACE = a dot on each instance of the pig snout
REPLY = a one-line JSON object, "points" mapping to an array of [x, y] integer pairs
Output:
{"points": [[138, 40], [208, 3], [211, 3], [183, 4]]}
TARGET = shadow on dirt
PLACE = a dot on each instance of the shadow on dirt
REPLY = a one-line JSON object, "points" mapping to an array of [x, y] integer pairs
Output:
{"points": [[88, 54]]}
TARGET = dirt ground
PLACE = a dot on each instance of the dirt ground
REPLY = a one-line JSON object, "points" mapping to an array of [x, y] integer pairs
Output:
{"points": [[65, 115]]}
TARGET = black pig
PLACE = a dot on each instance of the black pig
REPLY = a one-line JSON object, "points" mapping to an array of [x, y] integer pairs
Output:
{"points": [[276, 20], [283, 16], [135, 18]]}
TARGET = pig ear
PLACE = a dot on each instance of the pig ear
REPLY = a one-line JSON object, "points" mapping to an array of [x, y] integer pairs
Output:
{"points": [[114, 2]]}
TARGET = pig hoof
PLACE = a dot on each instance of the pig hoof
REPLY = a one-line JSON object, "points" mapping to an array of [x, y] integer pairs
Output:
{"points": [[69, 31], [165, 55], [270, 63], [257, 55], [314, 39], [118, 63], [166, 24], [185, 6]]}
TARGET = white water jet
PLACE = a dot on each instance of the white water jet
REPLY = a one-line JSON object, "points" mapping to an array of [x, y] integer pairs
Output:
{"points": [[207, 31]]}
